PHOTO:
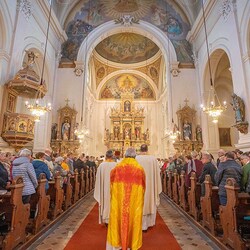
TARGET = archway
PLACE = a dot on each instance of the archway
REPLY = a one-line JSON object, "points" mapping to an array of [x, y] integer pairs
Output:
{"points": [[85, 56], [220, 135]]}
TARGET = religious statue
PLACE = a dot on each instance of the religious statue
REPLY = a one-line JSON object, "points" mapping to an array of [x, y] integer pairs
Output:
{"points": [[107, 136], [187, 131], [54, 131], [239, 108], [65, 130], [127, 106], [31, 128], [31, 58], [22, 127], [137, 133], [146, 135], [116, 132], [127, 131], [198, 133]]}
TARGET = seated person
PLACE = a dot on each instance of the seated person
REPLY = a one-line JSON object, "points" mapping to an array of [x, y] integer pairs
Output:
{"points": [[4, 178], [23, 167], [227, 169], [208, 169], [245, 161], [41, 167]]}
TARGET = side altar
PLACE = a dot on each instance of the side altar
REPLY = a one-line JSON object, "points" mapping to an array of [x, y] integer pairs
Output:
{"points": [[127, 126]]}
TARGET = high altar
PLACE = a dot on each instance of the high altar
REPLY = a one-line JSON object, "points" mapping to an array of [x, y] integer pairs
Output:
{"points": [[127, 126]]}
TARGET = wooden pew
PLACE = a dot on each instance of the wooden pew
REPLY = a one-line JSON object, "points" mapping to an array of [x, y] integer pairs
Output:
{"points": [[17, 214], [183, 192], [94, 176], [231, 215], [87, 179], [67, 194], [194, 195], [175, 187], [170, 180], [56, 196], [210, 206], [164, 182], [90, 179], [81, 178], [40, 202], [75, 186]]}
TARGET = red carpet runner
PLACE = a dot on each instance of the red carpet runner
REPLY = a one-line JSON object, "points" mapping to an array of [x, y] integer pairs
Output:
{"points": [[92, 236]]}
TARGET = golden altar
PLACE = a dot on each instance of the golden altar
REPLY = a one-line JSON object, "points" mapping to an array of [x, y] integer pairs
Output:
{"points": [[127, 126]]}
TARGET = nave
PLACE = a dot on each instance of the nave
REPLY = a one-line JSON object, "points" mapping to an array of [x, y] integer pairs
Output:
{"points": [[184, 235]]}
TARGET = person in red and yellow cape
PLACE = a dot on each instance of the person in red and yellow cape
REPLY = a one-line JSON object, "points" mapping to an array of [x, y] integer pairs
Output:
{"points": [[127, 187]]}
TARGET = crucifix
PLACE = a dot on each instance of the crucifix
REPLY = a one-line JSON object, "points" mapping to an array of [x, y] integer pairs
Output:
{"points": [[67, 102], [186, 101]]}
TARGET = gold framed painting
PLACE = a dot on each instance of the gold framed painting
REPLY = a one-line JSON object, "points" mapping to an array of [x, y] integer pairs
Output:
{"points": [[225, 137]]}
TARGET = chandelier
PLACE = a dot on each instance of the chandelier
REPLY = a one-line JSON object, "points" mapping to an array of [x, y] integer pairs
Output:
{"points": [[81, 132], [38, 107], [174, 133], [38, 110], [213, 107]]}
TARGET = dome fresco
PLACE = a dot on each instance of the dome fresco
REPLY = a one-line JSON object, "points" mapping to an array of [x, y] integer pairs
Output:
{"points": [[127, 48], [165, 15]]}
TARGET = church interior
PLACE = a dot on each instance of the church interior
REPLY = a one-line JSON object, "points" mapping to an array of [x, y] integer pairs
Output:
{"points": [[81, 78]]}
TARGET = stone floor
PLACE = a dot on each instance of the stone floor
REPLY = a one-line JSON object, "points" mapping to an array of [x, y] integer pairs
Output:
{"points": [[187, 235]]}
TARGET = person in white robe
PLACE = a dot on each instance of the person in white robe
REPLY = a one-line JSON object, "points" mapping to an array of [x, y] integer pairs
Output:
{"points": [[153, 187], [102, 187]]}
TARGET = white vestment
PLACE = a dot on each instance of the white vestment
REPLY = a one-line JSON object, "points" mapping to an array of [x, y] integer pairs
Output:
{"points": [[153, 189], [102, 190]]}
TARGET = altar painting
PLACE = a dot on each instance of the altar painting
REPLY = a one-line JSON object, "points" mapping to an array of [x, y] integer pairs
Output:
{"points": [[131, 83]]}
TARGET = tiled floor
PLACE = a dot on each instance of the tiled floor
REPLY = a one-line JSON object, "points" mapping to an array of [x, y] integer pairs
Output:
{"points": [[188, 236]]}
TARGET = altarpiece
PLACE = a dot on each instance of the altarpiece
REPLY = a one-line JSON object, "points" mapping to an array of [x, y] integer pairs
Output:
{"points": [[127, 126]]}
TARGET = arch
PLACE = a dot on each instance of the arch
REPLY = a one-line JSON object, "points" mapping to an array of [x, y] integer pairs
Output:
{"points": [[6, 27], [221, 45], [110, 28], [223, 84], [135, 72], [245, 29]]}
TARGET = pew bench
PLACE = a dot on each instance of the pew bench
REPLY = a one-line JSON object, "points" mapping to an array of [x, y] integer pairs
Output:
{"points": [[16, 215], [194, 195], [39, 204], [56, 197], [232, 216], [210, 206]]}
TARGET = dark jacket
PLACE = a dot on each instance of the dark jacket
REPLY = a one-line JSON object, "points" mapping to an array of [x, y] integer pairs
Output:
{"points": [[248, 184], [227, 169], [79, 164], [42, 168], [208, 169], [3, 176]]}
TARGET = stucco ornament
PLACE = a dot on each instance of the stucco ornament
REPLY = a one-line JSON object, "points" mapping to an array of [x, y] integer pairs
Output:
{"points": [[126, 20], [226, 8], [24, 6]]}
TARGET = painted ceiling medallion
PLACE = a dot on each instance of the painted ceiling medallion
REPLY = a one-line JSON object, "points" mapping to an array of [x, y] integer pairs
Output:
{"points": [[127, 48]]}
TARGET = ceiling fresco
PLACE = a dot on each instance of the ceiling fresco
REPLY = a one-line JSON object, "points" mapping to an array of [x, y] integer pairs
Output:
{"points": [[117, 85], [164, 14], [127, 48]]}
